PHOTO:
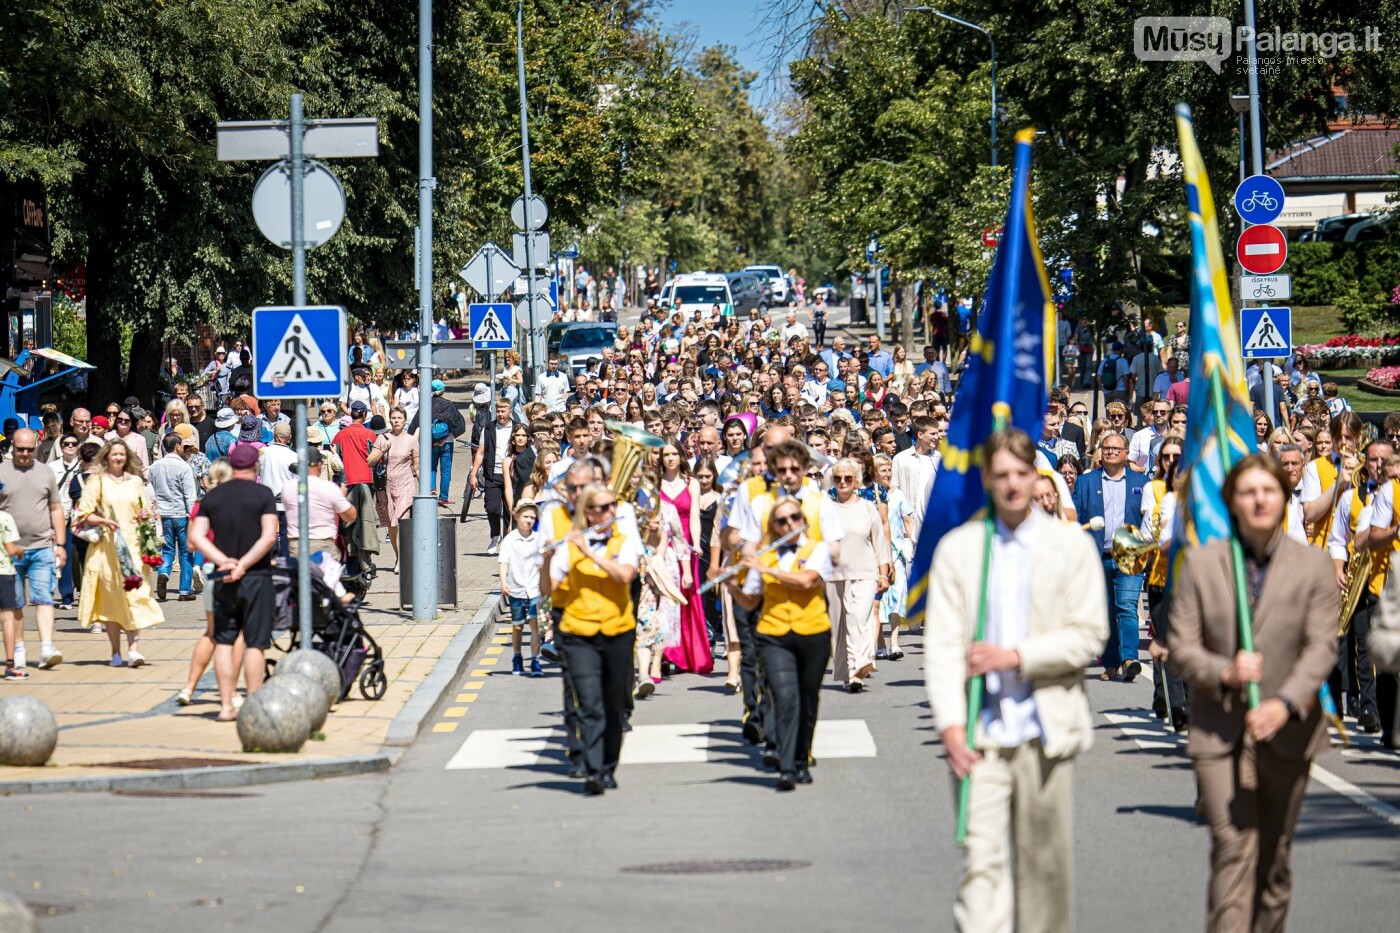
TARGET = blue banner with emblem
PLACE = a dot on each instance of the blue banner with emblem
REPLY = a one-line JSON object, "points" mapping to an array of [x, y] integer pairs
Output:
{"points": [[1006, 381]]}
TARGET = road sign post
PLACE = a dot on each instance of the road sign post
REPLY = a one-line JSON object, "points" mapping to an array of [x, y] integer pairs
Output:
{"points": [[298, 140]]}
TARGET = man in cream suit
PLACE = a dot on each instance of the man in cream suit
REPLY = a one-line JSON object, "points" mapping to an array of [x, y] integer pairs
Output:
{"points": [[1046, 621]]}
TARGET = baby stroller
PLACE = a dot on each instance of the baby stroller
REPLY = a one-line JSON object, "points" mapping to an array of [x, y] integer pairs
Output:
{"points": [[336, 631]]}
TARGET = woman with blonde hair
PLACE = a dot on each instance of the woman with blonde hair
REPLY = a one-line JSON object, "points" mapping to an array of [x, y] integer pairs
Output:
{"points": [[861, 573], [175, 413], [116, 588]]}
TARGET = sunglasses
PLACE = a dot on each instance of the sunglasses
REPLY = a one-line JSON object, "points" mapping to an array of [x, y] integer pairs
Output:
{"points": [[604, 506], [70, 444], [844, 479], [782, 521], [23, 450]]}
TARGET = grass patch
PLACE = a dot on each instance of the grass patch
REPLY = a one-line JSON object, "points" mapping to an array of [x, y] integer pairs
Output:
{"points": [[1310, 324], [1365, 401]]}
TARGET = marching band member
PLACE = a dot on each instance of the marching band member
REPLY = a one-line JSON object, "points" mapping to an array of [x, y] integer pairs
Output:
{"points": [[1292, 457], [785, 582], [1351, 523], [1325, 478], [597, 629], [1252, 765], [1047, 617], [1158, 511]]}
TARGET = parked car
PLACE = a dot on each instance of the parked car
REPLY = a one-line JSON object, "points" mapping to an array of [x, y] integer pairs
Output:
{"points": [[777, 280], [748, 290], [700, 291], [578, 342]]}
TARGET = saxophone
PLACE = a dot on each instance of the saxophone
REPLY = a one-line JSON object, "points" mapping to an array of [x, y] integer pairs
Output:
{"points": [[1358, 567]]}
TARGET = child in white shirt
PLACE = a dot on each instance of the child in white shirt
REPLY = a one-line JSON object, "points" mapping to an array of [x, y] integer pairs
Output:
{"points": [[520, 584]]}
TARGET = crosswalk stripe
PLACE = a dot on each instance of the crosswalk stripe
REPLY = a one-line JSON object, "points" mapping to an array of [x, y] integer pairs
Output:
{"points": [[674, 743]]}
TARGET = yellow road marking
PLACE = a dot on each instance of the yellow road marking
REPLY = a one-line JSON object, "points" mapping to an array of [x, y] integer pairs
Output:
{"points": [[480, 673], [501, 641], [466, 698], [473, 684], [455, 712], [445, 727], [495, 649]]}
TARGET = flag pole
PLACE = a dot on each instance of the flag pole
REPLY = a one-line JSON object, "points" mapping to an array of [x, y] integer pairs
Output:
{"points": [[1242, 613], [976, 686]]}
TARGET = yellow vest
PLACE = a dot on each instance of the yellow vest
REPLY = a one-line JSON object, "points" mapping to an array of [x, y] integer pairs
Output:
{"points": [[597, 603], [1380, 560], [1327, 476], [788, 609], [762, 499], [1157, 573]]}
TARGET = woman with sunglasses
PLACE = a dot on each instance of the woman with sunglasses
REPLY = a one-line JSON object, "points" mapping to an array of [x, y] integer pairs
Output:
{"points": [[329, 421], [862, 572], [406, 394], [783, 580], [589, 580], [1158, 514], [65, 469]]}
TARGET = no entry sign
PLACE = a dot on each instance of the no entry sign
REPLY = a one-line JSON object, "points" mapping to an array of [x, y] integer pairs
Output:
{"points": [[1262, 250]]}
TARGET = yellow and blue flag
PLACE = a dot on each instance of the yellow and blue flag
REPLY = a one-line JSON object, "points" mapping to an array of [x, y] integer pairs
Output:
{"points": [[1220, 430], [1006, 382]]}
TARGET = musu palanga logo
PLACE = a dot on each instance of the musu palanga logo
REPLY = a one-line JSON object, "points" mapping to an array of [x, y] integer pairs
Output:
{"points": [[1212, 40]]}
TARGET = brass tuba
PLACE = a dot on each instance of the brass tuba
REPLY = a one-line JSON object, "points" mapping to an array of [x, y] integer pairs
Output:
{"points": [[630, 446], [1358, 567], [1131, 550]]}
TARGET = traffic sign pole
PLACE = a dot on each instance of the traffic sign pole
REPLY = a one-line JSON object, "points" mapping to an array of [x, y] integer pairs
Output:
{"points": [[299, 301], [536, 335], [425, 507]]}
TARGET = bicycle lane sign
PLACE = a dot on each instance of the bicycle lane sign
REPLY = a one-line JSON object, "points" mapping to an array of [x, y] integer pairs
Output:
{"points": [[1259, 199]]}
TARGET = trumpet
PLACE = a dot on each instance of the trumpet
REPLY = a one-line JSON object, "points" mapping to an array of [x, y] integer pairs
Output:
{"points": [[550, 548], [1132, 548], [735, 568]]}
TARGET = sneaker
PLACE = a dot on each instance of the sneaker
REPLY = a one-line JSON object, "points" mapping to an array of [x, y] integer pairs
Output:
{"points": [[184, 698], [549, 652], [517, 666], [50, 658], [97, 628], [162, 583], [21, 659], [494, 546], [445, 503], [16, 673], [535, 669], [199, 583], [116, 661], [134, 658]]}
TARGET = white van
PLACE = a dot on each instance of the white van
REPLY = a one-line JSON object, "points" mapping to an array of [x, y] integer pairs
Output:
{"points": [[700, 291]]}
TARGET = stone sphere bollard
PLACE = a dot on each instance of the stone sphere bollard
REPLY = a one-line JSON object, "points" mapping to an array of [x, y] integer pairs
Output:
{"points": [[15, 915], [273, 721], [28, 732], [318, 667], [303, 690]]}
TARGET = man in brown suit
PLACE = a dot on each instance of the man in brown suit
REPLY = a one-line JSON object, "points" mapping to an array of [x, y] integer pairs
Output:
{"points": [[1252, 765]]}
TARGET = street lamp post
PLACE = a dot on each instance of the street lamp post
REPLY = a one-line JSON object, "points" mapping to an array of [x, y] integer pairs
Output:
{"points": [[537, 349], [991, 42]]}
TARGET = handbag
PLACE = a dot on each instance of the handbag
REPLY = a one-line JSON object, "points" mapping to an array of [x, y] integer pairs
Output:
{"points": [[91, 533]]}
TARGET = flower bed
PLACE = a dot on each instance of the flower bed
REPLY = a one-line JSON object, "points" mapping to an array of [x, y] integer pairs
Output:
{"points": [[1352, 351], [1385, 377]]}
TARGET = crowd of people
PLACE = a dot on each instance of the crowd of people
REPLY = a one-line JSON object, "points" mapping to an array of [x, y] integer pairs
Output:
{"points": [[731, 494]]}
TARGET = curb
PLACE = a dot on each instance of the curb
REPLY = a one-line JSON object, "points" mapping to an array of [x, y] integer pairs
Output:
{"points": [[402, 731], [409, 722]]}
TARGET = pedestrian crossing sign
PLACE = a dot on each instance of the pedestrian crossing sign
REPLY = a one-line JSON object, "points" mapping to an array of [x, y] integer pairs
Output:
{"points": [[299, 352], [1266, 333], [492, 326]]}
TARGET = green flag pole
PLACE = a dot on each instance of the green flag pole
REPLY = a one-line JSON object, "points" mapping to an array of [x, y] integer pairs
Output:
{"points": [[1242, 613], [976, 686]]}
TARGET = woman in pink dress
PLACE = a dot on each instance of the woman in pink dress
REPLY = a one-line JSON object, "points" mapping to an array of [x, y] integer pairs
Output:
{"points": [[683, 492]]}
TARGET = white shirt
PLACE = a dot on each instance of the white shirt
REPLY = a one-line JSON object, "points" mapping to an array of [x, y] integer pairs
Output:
{"points": [[1342, 531], [517, 555], [913, 475], [1310, 486], [407, 399], [502, 445], [1383, 507], [1115, 504], [629, 555], [553, 390], [797, 329], [819, 560], [275, 469], [1140, 447], [1009, 713]]}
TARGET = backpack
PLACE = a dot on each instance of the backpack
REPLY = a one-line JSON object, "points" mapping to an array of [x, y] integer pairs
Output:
{"points": [[440, 430]]}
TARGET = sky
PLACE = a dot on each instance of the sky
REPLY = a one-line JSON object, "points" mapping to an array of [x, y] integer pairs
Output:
{"points": [[735, 23]]}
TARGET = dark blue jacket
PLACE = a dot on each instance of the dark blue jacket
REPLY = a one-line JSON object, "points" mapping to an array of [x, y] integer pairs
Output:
{"points": [[1088, 500]]}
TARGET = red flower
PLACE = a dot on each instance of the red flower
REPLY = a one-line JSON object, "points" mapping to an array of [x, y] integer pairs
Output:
{"points": [[150, 560], [132, 582]]}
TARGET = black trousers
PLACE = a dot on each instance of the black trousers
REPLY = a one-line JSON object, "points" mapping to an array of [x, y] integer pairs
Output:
{"points": [[795, 666], [1354, 673], [1178, 694], [600, 668], [571, 727], [1387, 686], [493, 492], [758, 704], [819, 331]]}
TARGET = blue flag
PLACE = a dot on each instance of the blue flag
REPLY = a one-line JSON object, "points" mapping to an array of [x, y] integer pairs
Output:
{"points": [[1220, 430], [1006, 383]]}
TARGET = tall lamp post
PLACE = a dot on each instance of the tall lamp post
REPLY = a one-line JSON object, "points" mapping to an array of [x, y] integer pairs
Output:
{"points": [[991, 42]]}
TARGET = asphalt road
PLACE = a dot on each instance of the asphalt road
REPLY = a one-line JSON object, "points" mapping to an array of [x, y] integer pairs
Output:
{"points": [[696, 840]]}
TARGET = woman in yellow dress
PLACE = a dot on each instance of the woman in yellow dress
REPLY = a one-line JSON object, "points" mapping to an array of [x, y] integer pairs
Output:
{"points": [[114, 501]]}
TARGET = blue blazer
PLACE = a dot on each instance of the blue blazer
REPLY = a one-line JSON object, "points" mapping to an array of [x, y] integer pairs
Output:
{"points": [[1088, 500]]}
